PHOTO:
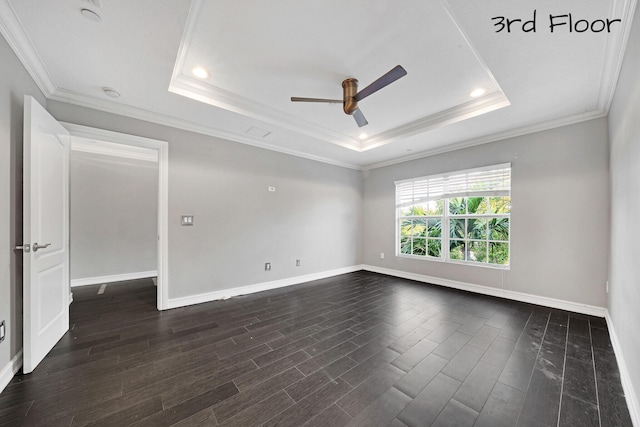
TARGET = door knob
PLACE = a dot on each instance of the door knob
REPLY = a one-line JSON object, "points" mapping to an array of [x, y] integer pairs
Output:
{"points": [[36, 246]]}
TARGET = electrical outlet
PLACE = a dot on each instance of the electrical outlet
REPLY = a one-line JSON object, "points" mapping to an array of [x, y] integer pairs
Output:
{"points": [[2, 331], [381, 255], [297, 263], [267, 266], [187, 220]]}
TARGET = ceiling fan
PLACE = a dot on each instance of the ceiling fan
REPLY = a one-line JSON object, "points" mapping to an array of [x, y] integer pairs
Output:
{"points": [[351, 96]]}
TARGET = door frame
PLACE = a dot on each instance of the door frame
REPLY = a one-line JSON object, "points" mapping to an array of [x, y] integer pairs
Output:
{"points": [[162, 148]]}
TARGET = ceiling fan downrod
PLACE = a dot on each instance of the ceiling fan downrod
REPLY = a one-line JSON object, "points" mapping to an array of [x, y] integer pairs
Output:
{"points": [[349, 88]]}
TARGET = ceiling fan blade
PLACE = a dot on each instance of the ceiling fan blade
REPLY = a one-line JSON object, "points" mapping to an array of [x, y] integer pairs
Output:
{"points": [[393, 75], [330, 101], [360, 120]]}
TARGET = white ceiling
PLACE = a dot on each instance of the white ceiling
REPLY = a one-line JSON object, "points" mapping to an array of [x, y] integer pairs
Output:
{"points": [[259, 54]]}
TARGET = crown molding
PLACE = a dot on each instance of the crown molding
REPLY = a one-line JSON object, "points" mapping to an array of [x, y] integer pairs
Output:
{"points": [[107, 106], [487, 103], [161, 119], [494, 137], [199, 91], [615, 49], [15, 34], [194, 89]]}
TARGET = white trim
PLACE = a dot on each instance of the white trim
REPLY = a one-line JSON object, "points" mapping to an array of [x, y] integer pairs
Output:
{"points": [[575, 307], [105, 105], [7, 373], [112, 278], [187, 36], [467, 39], [443, 260], [73, 98], [162, 147], [162, 281], [494, 137], [616, 47], [455, 173], [13, 31], [627, 385], [193, 89], [102, 148], [258, 287], [476, 107]]}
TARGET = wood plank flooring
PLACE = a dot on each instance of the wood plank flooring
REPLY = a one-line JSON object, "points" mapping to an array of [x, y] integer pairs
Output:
{"points": [[361, 349]]}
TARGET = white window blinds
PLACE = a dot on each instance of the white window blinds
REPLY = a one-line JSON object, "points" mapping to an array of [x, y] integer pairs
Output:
{"points": [[486, 181]]}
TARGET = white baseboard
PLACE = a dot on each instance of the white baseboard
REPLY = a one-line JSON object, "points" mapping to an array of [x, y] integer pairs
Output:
{"points": [[113, 278], [496, 292], [258, 287], [630, 394], [10, 369]]}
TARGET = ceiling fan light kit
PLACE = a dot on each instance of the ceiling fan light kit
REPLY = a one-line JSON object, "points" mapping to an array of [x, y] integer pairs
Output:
{"points": [[351, 96]]}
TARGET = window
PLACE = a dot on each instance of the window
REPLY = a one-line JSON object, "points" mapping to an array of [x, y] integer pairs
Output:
{"points": [[462, 216]]}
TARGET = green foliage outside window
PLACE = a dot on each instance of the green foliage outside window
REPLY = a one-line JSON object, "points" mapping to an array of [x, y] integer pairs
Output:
{"points": [[478, 229]]}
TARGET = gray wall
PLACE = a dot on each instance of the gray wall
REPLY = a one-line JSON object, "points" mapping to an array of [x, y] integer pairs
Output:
{"points": [[624, 270], [314, 215], [14, 84], [113, 215], [560, 214]]}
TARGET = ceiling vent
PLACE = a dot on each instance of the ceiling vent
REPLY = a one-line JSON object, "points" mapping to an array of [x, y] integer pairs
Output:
{"points": [[257, 132], [111, 92]]}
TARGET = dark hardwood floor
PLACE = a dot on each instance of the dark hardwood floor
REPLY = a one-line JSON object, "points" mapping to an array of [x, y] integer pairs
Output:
{"points": [[358, 349]]}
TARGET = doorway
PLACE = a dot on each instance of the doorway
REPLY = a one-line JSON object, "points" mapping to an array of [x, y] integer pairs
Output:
{"points": [[100, 143]]}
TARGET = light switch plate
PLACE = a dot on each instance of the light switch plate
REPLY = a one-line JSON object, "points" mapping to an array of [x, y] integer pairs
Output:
{"points": [[187, 219], [3, 331]]}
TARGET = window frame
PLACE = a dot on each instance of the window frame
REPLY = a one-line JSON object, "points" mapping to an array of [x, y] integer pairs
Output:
{"points": [[447, 216]]}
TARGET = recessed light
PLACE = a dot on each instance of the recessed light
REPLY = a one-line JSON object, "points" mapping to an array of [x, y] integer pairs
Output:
{"points": [[91, 15], [111, 92], [477, 92], [363, 136], [200, 73]]}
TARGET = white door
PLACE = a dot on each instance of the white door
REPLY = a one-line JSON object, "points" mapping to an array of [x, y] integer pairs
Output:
{"points": [[46, 233]]}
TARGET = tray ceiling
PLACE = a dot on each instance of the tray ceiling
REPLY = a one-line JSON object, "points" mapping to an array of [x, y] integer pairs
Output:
{"points": [[258, 54]]}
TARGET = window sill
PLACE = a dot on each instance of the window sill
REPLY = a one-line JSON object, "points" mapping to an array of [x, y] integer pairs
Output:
{"points": [[451, 261]]}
